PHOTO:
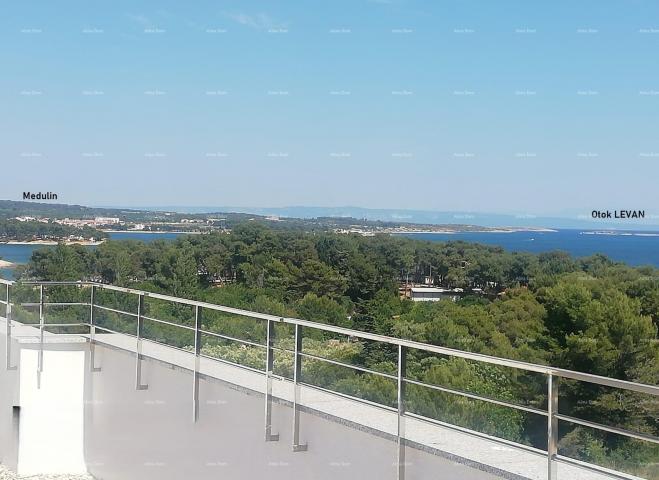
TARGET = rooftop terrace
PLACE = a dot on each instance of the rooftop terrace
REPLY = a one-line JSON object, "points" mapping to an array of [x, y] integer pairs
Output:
{"points": [[272, 360]]}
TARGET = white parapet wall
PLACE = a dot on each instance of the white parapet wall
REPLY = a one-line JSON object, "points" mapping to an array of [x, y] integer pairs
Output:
{"points": [[51, 427], [9, 402], [42, 412]]}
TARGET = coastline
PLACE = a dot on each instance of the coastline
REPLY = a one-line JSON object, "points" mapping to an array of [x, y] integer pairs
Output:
{"points": [[494, 230], [614, 233], [6, 264], [147, 232], [52, 242]]}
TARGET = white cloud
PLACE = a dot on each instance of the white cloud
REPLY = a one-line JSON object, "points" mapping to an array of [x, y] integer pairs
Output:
{"points": [[260, 21]]}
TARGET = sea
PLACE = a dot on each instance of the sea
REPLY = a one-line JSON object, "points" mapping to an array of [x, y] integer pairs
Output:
{"points": [[633, 248], [20, 254]]}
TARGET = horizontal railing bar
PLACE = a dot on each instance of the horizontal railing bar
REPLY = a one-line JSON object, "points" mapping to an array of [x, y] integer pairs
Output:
{"points": [[62, 324], [37, 325], [347, 365], [349, 397], [114, 310], [191, 352], [475, 433], [547, 370], [53, 304], [221, 360], [607, 382], [194, 303], [100, 340], [98, 327], [55, 282], [233, 339], [596, 468], [166, 322], [606, 428], [536, 411], [228, 362], [282, 349], [144, 339]]}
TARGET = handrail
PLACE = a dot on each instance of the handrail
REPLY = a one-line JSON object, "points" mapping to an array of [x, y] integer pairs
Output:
{"points": [[403, 346], [411, 344]]}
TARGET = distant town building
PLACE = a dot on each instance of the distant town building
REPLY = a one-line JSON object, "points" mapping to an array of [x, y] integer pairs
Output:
{"points": [[72, 222], [88, 222], [358, 231], [107, 220], [432, 294]]}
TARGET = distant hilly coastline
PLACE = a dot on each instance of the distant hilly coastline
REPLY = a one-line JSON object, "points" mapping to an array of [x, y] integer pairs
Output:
{"points": [[427, 217], [417, 220], [42, 218]]}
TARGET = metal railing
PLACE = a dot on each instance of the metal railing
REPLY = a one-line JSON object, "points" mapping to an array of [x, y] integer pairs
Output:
{"points": [[553, 375]]}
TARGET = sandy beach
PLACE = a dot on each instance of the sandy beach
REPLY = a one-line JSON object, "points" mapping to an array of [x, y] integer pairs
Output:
{"points": [[6, 264]]}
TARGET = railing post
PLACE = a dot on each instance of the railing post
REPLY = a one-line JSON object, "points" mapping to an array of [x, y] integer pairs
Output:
{"points": [[92, 328], [269, 367], [400, 437], [41, 329], [92, 333], [138, 347], [552, 427], [197, 354], [8, 315], [297, 376]]}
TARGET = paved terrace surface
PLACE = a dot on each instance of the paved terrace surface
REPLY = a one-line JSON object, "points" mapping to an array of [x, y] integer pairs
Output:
{"points": [[498, 458]]}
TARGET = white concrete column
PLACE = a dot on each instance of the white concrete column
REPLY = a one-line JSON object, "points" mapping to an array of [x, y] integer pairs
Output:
{"points": [[51, 425]]}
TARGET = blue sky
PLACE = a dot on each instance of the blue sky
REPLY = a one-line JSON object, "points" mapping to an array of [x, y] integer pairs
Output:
{"points": [[511, 106]]}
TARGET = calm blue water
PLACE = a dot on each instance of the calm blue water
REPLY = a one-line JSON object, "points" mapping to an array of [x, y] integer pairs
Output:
{"points": [[22, 253], [634, 248], [15, 254], [631, 247], [143, 237]]}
